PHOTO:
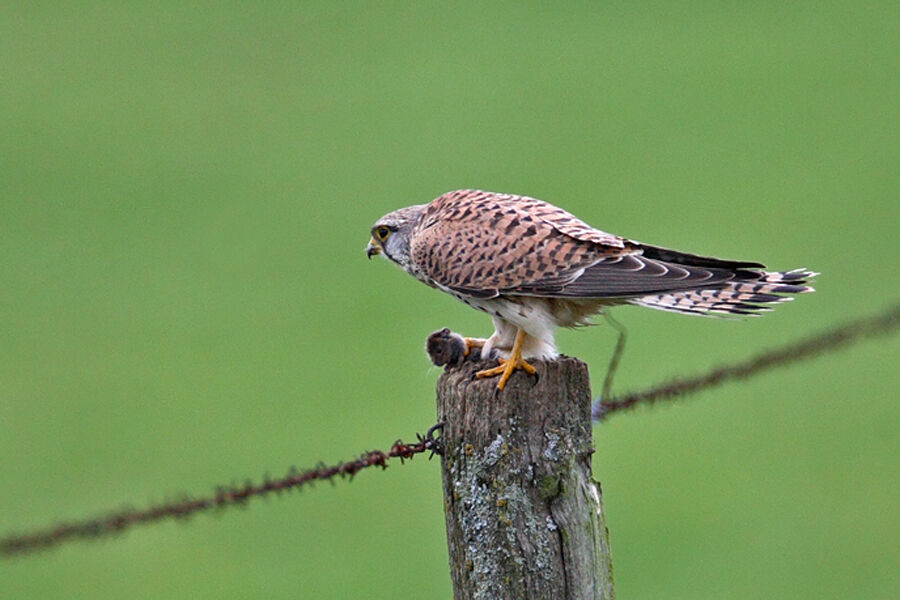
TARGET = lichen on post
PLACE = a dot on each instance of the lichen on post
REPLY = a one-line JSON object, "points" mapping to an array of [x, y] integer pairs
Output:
{"points": [[524, 516]]}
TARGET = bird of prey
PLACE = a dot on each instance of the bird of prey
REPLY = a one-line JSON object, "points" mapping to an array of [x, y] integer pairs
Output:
{"points": [[534, 267]]}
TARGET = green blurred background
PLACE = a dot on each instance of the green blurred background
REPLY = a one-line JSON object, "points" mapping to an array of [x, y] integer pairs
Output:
{"points": [[185, 196]]}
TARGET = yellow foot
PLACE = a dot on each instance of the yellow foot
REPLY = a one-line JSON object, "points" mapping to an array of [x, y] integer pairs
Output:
{"points": [[473, 343], [505, 369]]}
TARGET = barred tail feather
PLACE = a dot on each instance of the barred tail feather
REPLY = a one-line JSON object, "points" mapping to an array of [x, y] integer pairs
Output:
{"points": [[740, 297]]}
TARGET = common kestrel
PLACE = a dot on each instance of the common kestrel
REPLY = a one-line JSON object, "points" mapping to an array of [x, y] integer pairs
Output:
{"points": [[534, 267]]}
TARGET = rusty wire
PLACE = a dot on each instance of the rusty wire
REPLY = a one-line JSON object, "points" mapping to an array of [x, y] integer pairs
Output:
{"points": [[223, 497], [884, 323], [829, 340]]}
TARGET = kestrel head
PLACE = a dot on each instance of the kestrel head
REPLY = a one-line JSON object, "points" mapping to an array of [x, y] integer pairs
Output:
{"points": [[390, 234]]}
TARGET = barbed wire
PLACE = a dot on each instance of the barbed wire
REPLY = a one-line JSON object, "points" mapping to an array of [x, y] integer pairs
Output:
{"points": [[884, 323], [224, 496], [829, 340]]}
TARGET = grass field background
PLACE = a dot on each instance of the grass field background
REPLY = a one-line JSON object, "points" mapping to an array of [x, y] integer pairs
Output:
{"points": [[185, 197]]}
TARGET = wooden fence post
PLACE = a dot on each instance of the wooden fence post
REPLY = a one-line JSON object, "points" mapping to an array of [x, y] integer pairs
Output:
{"points": [[524, 517]]}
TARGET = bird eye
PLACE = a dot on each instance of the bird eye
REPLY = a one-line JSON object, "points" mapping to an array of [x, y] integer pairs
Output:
{"points": [[382, 233]]}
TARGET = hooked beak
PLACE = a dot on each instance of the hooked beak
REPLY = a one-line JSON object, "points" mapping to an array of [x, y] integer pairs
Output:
{"points": [[373, 248]]}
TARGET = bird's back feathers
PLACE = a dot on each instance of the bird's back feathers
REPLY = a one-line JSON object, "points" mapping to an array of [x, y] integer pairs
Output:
{"points": [[487, 245]]}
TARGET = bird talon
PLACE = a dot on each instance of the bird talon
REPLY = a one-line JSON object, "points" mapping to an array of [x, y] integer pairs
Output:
{"points": [[492, 372], [472, 343], [526, 367], [507, 366]]}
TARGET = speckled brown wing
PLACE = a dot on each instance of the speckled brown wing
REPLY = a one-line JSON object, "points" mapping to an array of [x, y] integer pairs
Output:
{"points": [[484, 244], [463, 204]]}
